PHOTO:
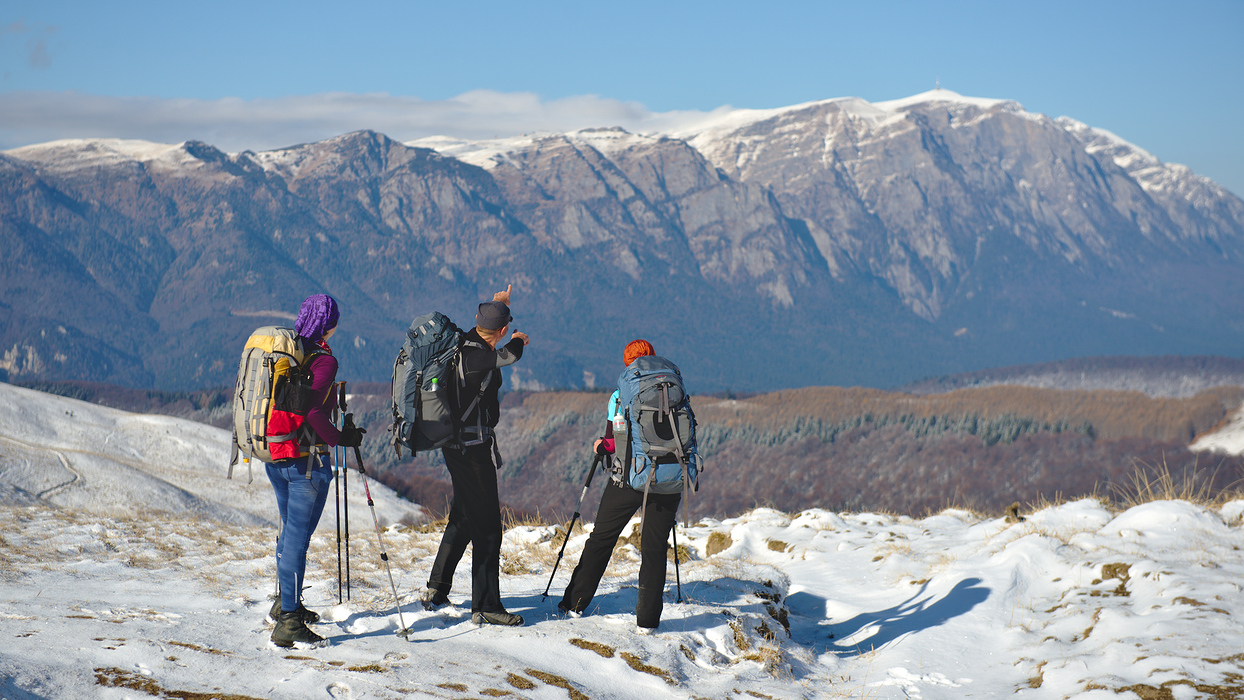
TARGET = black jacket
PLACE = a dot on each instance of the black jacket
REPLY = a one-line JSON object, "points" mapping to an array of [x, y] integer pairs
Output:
{"points": [[479, 361]]}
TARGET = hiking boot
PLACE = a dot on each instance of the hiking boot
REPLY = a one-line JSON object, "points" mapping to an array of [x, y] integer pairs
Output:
{"points": [[569, 612], [497, 618], [309, 617], [433, 599], [290, 630]]}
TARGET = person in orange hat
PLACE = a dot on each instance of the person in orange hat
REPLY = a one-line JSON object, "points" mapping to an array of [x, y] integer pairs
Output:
{"points": [[618, 504]]}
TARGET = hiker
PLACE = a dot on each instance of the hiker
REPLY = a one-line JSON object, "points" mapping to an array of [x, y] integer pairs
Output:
{"points": [[618, 504], [301, 473], [473, 460]]}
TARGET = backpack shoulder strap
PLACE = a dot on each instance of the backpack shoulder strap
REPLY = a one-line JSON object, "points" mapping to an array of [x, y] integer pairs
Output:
{"points": [[395, 429]]}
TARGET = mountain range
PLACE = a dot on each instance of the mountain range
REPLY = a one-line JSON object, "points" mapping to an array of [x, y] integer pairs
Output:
{"points": [[835, 242]]}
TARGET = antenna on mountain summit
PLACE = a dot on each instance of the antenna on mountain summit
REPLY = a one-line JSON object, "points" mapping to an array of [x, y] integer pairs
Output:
{"points": [[937, 85]]}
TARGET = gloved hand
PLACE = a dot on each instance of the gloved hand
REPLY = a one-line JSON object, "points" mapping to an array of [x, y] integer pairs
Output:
{"points": [[351, 434]]}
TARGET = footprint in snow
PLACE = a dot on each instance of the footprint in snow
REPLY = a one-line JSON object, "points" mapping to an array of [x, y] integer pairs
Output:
{"points": [[340, 690]]}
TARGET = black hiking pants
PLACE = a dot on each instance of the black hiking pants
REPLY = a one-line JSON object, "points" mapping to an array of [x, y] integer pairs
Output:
{"points": [[618, 505], [475, 519]]}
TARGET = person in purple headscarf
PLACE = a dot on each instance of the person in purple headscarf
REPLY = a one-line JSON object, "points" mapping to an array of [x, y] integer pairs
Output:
{"points": [[301, 476]]}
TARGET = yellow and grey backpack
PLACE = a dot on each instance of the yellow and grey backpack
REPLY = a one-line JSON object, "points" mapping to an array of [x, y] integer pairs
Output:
{"points": [[271, 397]]}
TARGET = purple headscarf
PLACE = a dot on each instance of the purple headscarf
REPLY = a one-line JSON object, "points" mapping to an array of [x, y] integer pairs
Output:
{"points": [[317, 315]]}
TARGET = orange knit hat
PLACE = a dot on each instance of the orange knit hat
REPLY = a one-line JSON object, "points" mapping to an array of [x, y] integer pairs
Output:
{"points": [[637, 348]]}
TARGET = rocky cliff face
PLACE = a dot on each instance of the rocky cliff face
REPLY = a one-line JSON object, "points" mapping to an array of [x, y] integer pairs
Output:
{"points": [[920, 191], [834, 242]]}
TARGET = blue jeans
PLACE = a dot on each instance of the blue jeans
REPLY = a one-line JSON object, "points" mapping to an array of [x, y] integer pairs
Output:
{"points": [[300, 501]]}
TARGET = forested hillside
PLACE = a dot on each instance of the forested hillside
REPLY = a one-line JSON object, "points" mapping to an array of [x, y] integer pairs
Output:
{"points": [[1164, 375], [851, 449]]}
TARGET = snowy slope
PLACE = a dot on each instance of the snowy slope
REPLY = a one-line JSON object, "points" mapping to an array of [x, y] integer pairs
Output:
{"points": [[86, 154], [103, 598], [91, 459], [707, 134], [489, 153], [1073, 602], [1227, 438]]}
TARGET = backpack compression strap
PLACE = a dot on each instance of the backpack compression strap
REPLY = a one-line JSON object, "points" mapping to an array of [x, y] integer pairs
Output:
{"points": [[682, 458], [480, 431]]}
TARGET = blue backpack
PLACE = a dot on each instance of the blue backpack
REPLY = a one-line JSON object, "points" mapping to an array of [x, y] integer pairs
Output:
{"points": [[656, 452]]}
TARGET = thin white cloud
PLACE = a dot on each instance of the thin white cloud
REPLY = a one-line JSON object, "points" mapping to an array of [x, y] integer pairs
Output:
{"points": [[233, 124], [18, 27], [38, 56]]}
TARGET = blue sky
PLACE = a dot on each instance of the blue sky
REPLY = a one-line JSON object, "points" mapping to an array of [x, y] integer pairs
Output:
{"points": [[1168, 76]]}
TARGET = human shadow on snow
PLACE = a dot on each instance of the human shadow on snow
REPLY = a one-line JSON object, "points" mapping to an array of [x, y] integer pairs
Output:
{"points": [[809, 624], [921, 611], [10, 689]]}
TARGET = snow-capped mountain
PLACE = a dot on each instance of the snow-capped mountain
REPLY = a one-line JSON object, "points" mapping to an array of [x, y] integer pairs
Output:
{"points": [[865, 243], [917, 190]]}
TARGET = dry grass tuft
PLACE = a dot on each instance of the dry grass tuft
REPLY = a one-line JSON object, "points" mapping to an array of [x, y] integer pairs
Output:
{"points": [[602, 649], [510, 519], [718, 542], [683, 552], [638, 664], [557, 682], [562, 535], [517, 681], [112, 677], [196, 647], [1155, 482], [1038, 679]]}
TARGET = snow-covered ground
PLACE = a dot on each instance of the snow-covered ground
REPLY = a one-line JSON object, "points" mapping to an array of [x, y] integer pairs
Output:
{"points": [[103, 597], [1227, 438], [76, 455]]}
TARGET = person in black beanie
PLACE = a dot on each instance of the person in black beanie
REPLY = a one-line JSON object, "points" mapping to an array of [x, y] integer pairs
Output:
{"points": [[475, 512]]}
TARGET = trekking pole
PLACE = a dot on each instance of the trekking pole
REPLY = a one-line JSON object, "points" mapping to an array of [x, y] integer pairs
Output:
{"points": [[358, 457], [345, 489], [276, 585], [339, 456], [586, 485], [677, 578], [341, 402]]}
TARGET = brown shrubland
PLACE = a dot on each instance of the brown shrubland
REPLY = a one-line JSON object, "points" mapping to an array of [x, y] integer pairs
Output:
{"points": [[859, 449]]}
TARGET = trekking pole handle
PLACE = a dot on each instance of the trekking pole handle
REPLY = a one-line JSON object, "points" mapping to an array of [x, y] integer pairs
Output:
{"points": [[341, 396], [590, 473], [348, 424]]}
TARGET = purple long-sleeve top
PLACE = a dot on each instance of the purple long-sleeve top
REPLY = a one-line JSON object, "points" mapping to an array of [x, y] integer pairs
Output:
{"points": [[323, 372]]}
